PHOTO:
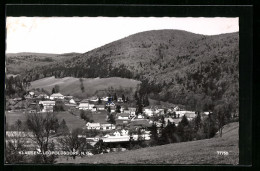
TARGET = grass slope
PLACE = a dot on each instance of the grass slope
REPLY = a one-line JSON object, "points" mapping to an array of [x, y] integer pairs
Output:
{"points": [[71, 120], [71, 85], [194, 152]]}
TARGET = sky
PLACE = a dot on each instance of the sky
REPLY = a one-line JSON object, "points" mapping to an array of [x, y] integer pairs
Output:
{"points": [[81, 34]]}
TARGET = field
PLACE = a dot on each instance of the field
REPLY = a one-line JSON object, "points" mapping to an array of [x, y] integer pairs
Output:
{"points": [[71, 120], [71, 85], [194, 152]]}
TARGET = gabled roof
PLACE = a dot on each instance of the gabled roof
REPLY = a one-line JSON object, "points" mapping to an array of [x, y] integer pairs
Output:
{"points": [[140, 122], [84, 101], [46, 102], [100, 106], [56, 95], [123, 114]]}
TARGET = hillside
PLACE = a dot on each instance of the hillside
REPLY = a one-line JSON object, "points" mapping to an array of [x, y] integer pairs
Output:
{"points": [[199, 152], [21, 62], [71, 85], [176, 66]]}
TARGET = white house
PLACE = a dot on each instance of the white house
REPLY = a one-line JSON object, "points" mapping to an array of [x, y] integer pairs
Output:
{"points": [[148, 111], [47, 106], [43, 96], [100, 107], [140, 117], [120, 100], [57, 96], [105, 99], [124, 132], [110, 104], [93, 126], [123, 116], [132, 110], [117, 134], [107, 126], [190, 115], [72, 101], [83, 106], [93, 99]]}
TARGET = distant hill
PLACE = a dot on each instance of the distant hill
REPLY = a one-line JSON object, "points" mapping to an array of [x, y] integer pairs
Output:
{"points": [[22, 62], [193, 152], [71, 85], [173, 65]]}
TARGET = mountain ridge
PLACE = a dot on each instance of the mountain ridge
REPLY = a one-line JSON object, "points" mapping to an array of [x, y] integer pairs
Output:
{"points": [[176, 66]]}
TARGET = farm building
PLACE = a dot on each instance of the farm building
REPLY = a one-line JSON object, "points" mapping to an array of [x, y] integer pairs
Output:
{"points": [[57, 96], [47, 106]]}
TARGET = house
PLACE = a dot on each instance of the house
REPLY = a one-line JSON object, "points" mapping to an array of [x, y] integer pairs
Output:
{"points": [[124, 132], [95, 126], [140, 117], [93, 99], [33, 108], [109, 103], [132, 110], [190, 115], [122, 116], [120, 100], [166, 120], [176, 108], [57, 96], [117, 133], [148, 111], [100, 107], [83, 106], [43, 96], [21, 134], [47, 106], [140, 123], [105, 99], [72, 101], [107, 126], [127, 111], [77, 100]]}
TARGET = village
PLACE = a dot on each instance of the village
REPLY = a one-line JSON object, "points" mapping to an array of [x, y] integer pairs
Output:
{"points": [[127, 124]]}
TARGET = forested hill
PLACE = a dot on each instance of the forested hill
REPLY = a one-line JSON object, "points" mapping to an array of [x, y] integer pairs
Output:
{"points": [[174, 65]]}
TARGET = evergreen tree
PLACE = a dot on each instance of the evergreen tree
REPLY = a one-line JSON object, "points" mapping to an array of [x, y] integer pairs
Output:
{"points": [[154, 135], [63, 128], [115, 97], [123, 97], [99, 101], [118, 107]]}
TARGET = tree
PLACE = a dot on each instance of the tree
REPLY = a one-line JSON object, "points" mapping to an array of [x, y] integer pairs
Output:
{"points": [[82, 85], [99, 101], [222, 114], [109, 109], [53, 90], [86, 115], [123, 97], [118, 107], [74, 143], [14, 145], [115, 97], [63, 128], [41, 128], [99, 147], [197, 122], [111, 119], [154, 135], [57, 88]]}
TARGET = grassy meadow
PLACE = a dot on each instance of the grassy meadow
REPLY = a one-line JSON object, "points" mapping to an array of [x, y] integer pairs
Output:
{"points": [[193, 152]]}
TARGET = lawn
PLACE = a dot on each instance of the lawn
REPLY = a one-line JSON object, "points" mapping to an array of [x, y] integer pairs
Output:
{"points": [[194, 152], [71, 85], [71, 120]]}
